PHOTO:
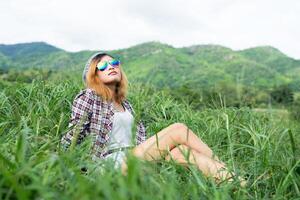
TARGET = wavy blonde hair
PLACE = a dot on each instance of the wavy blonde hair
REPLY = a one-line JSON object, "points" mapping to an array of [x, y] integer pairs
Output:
{"points": [[93, 81]]}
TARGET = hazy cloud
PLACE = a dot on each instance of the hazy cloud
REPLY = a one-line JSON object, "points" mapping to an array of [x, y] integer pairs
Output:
{"points": [[93, 24]]}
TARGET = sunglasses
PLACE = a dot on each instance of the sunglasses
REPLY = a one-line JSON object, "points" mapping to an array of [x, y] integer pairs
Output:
{"points": [[104, 64]]}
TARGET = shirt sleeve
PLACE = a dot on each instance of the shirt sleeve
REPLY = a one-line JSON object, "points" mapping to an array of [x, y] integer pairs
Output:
{"points": [[142, 134], [79, 123]]}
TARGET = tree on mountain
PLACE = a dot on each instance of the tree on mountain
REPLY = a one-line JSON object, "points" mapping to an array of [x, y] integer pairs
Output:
{"points": [[282, 94]]}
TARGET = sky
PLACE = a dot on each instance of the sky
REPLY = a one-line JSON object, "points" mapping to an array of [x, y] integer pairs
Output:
{"points": [[115, 24]]}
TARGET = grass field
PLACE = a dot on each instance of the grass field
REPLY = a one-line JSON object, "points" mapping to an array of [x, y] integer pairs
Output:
{"points": [[259, 146]]}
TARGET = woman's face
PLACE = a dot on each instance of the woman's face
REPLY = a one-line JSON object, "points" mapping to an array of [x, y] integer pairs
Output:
{"points": [[110, 75]]}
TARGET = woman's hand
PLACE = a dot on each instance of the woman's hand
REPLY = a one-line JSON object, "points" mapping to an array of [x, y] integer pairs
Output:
{"points": [[124, 168]]}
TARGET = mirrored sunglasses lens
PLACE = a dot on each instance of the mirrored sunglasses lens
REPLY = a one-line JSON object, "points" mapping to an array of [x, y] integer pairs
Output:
{"points": [[115, 62], [102, 66]]}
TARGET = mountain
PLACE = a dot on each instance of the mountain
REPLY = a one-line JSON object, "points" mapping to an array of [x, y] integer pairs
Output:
{"points": [[198, 66], [271, 57], [205, 66], [17, 51], [5, 62], [35, 54]]}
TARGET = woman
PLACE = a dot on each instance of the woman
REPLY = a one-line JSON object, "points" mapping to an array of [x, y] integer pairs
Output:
{"points": [[102, 111]]}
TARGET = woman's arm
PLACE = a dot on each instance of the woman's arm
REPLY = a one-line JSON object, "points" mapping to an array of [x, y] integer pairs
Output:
{"points": [[79, 124]]}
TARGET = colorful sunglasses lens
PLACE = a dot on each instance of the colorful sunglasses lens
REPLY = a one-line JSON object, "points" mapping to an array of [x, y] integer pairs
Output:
{"points": [[102, 66], [115, 62]]}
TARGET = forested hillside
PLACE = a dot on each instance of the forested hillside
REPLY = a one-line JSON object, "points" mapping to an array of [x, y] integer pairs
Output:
{"points": [[250, 77]]}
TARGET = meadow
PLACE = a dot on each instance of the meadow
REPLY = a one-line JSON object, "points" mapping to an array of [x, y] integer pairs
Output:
{"points": [[263, 147]]}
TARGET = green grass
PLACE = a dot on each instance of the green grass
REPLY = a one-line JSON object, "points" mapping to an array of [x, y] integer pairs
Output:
{"points": [[259, 146]]}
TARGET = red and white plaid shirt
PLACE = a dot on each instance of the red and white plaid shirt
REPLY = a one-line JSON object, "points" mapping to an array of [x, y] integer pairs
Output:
{"points": [[91, 115]]}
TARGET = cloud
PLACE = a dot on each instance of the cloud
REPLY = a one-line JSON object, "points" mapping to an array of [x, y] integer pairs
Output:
{"points": [[93, 24]]}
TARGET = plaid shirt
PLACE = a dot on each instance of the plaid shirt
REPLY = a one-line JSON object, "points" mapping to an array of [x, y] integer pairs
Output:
{"points": [[93, 116]]}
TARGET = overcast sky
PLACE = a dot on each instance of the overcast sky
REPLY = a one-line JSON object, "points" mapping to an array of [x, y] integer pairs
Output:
{"points": [[113, 24]]}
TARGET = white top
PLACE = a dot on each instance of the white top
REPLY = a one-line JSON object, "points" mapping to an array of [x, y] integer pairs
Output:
{"points": [[121, 133]]}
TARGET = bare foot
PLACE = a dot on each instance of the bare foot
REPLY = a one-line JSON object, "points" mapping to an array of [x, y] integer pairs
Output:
{"points": [[224, 176]]}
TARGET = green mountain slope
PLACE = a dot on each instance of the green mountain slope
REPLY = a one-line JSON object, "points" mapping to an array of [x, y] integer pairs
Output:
{"points": [[5, 63], [17, 51], [271, 57], [165, 66]]}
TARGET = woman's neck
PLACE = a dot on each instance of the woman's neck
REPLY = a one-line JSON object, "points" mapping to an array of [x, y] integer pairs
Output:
{"points": [[112, 88]]}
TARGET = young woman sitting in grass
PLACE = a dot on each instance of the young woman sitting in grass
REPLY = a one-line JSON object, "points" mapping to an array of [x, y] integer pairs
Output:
{"points": [[103, 111]]}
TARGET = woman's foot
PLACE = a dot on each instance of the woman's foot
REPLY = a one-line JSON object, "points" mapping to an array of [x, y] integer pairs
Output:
{"points": [[223, 176]]}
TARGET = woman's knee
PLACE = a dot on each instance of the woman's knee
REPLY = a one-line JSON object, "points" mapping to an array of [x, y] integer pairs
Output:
{"points": [[178, 126], [181, 132], [177, 152]]}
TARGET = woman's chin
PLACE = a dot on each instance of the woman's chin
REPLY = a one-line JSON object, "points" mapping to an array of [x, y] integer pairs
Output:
{"points": [[114, 81]]}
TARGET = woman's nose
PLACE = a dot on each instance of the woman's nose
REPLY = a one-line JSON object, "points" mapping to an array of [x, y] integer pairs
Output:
{"points": [[110, 67]]}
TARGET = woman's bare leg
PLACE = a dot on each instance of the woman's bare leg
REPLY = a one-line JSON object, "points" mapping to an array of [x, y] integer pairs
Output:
{"points": [[171, 139], [184, 155], [168, 138], [209, 167]]}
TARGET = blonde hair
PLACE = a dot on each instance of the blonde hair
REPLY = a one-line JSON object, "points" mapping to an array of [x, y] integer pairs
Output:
{"points": [[93, 82]]}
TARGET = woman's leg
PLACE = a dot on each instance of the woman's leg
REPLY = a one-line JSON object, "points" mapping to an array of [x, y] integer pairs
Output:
{"points": [[171, 139], [183, 155], [168, 138], [209, 167]]}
